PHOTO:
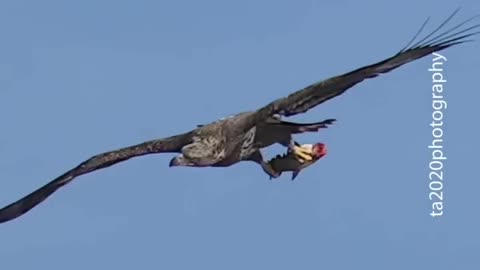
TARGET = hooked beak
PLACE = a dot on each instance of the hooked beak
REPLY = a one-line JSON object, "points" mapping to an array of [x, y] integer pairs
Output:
{"points": [[180, 160], [174, 162]]}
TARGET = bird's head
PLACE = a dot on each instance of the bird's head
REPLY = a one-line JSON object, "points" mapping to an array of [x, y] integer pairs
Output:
{"points": [[319, 150], [179, 160]]}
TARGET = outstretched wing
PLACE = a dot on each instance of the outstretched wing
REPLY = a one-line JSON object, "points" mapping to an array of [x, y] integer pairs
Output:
{"points": [[315, 94], [167, 145]]}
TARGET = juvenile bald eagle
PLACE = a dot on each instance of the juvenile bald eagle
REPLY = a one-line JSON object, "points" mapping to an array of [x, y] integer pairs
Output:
{"points": [[240, 137]]}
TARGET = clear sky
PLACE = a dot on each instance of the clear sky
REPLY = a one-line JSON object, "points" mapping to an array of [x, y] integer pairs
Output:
{"points": [[82, 77]]}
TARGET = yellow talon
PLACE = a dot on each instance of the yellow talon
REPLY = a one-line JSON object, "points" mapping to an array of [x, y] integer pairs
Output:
{"points": [[304, 152]]}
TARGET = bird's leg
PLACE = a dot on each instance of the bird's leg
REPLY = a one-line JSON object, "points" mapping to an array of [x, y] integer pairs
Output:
{"points": [[267, 168], [303, 152]]}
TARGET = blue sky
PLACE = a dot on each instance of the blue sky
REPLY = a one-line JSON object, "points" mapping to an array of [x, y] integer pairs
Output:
{"points": [[84, 77]]}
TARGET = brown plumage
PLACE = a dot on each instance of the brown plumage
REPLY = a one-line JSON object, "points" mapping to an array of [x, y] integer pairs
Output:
{"points": [[231, 140], [275, 130]]}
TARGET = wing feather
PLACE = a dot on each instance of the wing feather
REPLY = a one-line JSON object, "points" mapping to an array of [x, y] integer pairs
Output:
{"points": [[167, 145], [315, 94]]}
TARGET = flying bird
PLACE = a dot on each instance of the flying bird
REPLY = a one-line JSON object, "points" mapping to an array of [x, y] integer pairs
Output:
{"points": [[240, 137]]}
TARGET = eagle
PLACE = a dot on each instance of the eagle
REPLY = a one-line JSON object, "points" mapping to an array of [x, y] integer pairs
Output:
{"points": [[241, 137]]}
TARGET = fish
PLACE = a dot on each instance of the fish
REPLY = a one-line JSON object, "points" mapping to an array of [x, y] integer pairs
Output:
{"points": [[298, 158]]}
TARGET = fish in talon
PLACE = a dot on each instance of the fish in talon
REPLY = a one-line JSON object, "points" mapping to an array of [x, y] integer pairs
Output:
{"points": [[292, 161], [304, 152]]}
